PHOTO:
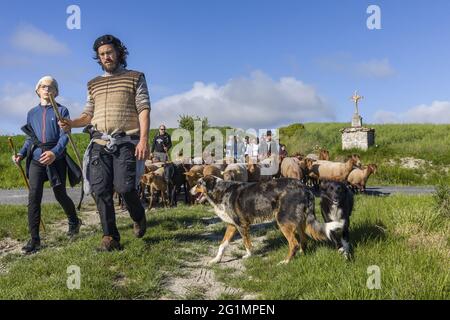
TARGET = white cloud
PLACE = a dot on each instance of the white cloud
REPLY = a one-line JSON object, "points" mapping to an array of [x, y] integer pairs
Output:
{"points": [[12, 61], [382, 116], [345, 63], [438, 112], [247, 102], [17, 99], [375, 68], [34, 40]]}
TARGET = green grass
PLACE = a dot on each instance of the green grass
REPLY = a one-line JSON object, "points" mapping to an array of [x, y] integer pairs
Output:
{"points": [[14, 223], [134, 273], [404, 235], [393, 142]]}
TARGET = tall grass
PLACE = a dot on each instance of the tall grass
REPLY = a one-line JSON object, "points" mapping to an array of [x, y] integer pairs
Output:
{"points": [[405, 236]]}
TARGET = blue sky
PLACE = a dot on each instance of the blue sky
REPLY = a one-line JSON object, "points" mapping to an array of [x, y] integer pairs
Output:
{"points": [[243, 63]]}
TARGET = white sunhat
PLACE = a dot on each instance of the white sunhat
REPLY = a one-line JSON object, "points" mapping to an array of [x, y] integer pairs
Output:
{"points": [[48, 78]]}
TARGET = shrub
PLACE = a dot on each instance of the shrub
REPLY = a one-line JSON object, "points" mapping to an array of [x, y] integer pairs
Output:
{"points": [[442, 199]]}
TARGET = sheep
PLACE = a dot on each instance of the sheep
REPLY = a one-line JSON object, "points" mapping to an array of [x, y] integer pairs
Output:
{"points": [[324, 154], [291, 168], [212, 170], [329, 170], [236, 172], [156, 183], [358, 177], [195, 173], [253, 172]]}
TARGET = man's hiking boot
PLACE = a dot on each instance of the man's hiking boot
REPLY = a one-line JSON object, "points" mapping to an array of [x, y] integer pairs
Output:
{"points": [[109, 244], [74, 229], [140, 227], [32, 246]]}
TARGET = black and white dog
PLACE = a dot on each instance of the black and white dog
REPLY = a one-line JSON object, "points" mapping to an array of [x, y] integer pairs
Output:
{"points": [[336, 205], [288, 201]]}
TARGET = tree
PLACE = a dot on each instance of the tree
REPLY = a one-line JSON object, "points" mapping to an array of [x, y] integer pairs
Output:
{"points": [[187, 122]]}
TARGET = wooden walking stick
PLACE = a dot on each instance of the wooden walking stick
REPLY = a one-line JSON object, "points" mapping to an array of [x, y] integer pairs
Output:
{"points": [[72, 143], [22, 172]]}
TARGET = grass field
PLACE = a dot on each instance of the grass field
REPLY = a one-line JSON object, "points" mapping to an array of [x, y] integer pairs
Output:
{"points": [[405, 236], [394, 143]]}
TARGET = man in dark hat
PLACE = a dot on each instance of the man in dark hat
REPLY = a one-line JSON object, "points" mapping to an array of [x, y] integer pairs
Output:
{"points": [[118, 108]]}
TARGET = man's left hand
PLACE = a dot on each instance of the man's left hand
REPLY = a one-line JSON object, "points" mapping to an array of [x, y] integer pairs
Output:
{"points": [[141, 150], [47, 158]]}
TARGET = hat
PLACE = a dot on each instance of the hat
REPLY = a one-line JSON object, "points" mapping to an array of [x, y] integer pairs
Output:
{"points": [[269, 132], [106, 39], [47, 78]]}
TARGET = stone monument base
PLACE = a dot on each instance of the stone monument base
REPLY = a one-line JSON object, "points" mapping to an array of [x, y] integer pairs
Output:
{"points": [[357, 138]]}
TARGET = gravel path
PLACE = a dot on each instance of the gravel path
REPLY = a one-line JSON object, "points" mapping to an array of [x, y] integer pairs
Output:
{"points": [[20, 196]]}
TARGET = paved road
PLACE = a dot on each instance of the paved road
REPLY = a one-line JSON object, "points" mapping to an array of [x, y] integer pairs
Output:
{"points": [[20, 196]]}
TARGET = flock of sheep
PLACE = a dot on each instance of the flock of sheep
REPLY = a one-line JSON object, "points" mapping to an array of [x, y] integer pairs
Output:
{"points": [[167, 179]]}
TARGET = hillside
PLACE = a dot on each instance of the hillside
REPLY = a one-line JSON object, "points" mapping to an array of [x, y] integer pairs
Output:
{"points": [[410, 154]]}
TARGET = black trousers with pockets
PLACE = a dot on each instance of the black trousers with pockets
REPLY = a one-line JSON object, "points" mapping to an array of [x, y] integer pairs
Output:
{"points": [[109, 172], [37, 177]]}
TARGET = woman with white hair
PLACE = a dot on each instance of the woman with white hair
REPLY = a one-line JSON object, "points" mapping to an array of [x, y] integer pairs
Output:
{"points": [[45, 150]]}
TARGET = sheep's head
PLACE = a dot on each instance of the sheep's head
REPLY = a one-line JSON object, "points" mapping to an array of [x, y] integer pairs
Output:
{"points": [[372, 168], [147, 178], [192, 177], [357, 160], [324, 154], [309, 163]]}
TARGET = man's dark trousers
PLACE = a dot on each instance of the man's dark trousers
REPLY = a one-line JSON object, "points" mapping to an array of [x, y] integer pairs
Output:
{"points": [[37, 177], [110, 172]]}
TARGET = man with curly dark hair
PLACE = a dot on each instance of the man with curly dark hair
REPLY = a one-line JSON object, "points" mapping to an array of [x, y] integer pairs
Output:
{"points": [[118, 108]]}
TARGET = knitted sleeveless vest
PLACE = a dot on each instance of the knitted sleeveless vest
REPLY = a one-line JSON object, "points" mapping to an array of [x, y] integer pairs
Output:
{"points": [[114, 102]]}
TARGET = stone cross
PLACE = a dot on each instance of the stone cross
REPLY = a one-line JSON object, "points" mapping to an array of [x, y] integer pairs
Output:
{"points": [[356, 97]]}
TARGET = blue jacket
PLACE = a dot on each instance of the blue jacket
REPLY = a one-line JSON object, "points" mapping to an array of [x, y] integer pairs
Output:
{"points": [[44, 122]]}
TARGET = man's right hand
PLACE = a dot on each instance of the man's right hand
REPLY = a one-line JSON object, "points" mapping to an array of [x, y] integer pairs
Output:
{"points": [[16, 159], [65, 124]]}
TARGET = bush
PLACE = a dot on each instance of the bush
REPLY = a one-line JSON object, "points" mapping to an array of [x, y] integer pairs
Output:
{"points": [[442, 199], [187, 122]]}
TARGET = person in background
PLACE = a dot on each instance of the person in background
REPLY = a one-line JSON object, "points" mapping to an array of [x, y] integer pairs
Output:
{"points": [[161, 145]]}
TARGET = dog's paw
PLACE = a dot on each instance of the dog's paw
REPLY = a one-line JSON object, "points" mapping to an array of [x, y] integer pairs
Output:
{"points": [[345, 253], [283, 262], [213, 261], [246, 256]]}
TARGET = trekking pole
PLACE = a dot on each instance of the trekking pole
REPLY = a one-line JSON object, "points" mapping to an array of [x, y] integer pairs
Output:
{"points": [[22, 172], [72, 143]]}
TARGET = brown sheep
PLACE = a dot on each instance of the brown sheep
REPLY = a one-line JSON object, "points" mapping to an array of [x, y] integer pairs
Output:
{"points": [[212, 170], [324, 154], [329, 170], [358, 177], [236, 172], [253, 172], [195, 173], [156, 183], [291, 168]]}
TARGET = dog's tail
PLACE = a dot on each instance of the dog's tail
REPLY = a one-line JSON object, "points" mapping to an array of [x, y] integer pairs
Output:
{"points": [[317, 230]]}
